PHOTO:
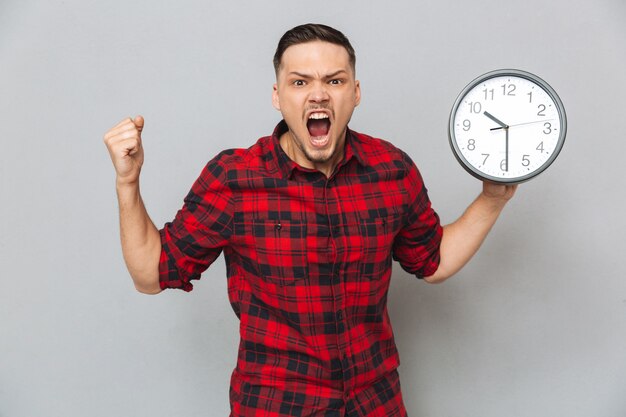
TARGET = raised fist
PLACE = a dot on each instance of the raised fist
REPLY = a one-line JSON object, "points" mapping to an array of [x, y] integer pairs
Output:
{"points": [[124, 144]]}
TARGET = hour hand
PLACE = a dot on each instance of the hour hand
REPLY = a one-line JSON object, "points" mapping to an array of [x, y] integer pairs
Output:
{"points": [[498, 121]]}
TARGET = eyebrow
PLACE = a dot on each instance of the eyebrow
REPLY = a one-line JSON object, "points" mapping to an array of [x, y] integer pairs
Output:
{"points": [[331, 75]]}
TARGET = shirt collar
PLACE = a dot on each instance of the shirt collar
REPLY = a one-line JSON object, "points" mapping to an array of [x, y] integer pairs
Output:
{"points": [[286, 166]]}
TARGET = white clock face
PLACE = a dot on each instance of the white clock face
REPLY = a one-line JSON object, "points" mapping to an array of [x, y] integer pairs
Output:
{"points": [[507, 126]]}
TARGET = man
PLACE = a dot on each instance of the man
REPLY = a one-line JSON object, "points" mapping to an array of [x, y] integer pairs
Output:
{"points": [[309, 220]]}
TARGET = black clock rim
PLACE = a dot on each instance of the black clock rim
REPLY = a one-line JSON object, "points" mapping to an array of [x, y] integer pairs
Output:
{"points": [[499, 73]]}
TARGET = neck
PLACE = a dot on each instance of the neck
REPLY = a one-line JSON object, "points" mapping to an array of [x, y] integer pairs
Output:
{"points": [[327, 166]]}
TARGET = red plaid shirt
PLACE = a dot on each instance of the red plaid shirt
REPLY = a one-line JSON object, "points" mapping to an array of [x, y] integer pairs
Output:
{"points": [[308, 262]]}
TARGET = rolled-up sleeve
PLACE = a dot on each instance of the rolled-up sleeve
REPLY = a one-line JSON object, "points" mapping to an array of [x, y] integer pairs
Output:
{"points": [[200, 230], [416, 246]]}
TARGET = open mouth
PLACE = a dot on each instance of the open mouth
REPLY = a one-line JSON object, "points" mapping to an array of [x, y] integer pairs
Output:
{"points": [[318, 125]]}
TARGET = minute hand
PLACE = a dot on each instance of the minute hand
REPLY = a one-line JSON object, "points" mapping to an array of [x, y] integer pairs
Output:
{"points": [[520, 124]]}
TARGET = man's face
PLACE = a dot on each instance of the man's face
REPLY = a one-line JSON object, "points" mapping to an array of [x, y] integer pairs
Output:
{"points": [[316, 92]]}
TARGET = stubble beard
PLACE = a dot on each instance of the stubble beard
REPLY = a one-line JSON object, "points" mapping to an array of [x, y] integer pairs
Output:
{"points": [[318, 157]]}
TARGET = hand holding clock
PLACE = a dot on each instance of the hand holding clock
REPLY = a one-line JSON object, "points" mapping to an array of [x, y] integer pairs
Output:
{"points": [[499, 191], [513, 95]]}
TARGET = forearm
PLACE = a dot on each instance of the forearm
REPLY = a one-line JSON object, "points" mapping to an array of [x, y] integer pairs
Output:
{"points": [[141, 242], [462, 239]]}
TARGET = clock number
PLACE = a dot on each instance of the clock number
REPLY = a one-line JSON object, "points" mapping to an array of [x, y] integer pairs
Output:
{"points": [[471, 144], [475, 107], [540, 147], [525, 160], [487, 92], [503, 165], [467, 125], [530, 97], [511, 89], [486, 155], [548, 128], [542, 108]]}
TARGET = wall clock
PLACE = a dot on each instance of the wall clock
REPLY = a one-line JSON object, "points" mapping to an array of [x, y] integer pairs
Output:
{"points": [[507, 126]]}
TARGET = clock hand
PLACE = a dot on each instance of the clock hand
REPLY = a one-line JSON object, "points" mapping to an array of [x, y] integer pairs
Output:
{"points": [[507, 149], [506, 129], [492, 117], [521, 124]]}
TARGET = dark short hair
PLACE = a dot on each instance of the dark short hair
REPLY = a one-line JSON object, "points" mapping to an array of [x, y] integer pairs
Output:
{"points": [[312, 32]]}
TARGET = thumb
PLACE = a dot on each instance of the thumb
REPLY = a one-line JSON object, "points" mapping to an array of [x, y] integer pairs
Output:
{"points": [[139, 122]]}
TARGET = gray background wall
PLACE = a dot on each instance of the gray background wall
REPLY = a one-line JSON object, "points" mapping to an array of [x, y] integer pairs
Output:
{"points": [[534, 326]]}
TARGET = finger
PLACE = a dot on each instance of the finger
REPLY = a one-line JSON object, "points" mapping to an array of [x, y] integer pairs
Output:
{"points": [[128, 121], [128, 146], [117, 141], [129, 127], [123, 121], [139, 121]]}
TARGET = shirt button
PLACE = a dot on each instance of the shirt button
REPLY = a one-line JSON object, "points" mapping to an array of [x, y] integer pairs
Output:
{"points": [[340, 315]]}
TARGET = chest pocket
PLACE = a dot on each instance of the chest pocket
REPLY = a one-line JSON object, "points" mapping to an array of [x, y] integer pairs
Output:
{"points": [[377, 242], [281, 250]]}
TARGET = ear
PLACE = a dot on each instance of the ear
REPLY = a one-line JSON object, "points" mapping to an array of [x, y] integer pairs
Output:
{"points": [[357, 93], [275, 100]]}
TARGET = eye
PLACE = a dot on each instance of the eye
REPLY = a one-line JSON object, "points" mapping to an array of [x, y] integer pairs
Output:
{"points": [[298, 83], [336, 82]]}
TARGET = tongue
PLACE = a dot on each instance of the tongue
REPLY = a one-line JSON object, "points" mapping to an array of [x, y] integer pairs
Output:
{"points": [[318, 127]]}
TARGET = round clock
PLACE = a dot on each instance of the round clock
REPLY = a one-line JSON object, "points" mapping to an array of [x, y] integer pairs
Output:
{"points": [[507, 126]]}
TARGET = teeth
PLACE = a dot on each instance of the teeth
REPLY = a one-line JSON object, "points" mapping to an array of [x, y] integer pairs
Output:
{"points": [[318, 116]]}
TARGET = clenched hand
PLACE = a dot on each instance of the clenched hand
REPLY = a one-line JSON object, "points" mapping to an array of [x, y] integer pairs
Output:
{"points": [[124, 144]]}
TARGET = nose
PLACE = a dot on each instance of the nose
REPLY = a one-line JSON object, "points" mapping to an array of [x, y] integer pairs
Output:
{"points": [[319, 93]]}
